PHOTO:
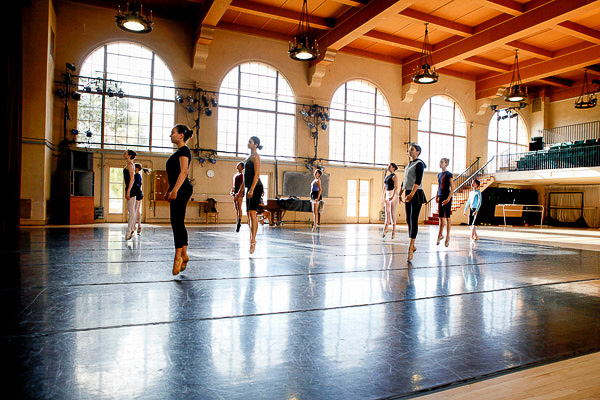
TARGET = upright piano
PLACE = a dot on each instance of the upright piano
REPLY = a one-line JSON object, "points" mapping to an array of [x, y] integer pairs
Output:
{"points": [[278, 207]]}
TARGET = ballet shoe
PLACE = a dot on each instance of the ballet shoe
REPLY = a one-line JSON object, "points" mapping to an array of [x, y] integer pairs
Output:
{"points": [[184, 263], [252, 247], [410, 254], [129, 235], [237, 229], [393, 234], [139, 230], [385, 231], [439, 239], [447, 243], [177, 265]]}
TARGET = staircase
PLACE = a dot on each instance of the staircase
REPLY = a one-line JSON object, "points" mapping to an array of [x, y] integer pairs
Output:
{"points": [[463, 186]]}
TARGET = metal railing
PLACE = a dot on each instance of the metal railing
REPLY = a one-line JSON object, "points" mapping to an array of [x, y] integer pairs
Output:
{"points": [[571, 133], [555, 158]]}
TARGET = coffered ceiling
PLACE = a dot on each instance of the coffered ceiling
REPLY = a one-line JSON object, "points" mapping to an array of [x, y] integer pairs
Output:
{"points": [[472, 39]]}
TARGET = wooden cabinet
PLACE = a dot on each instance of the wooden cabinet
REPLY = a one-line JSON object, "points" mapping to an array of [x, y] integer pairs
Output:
{"points": [[160, 185], [81, 210]]}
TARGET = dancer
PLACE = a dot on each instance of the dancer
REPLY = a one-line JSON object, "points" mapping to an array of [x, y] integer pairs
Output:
{"points": [[315, 196], [179, 193], [237, 192], [131, 191], [140, 195], [414, 194], [444, 199], [389, 196], [473, 205], [254, 187]]}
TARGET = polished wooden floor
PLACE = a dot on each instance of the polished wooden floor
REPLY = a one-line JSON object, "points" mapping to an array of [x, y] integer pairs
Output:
{"points": [[336, 314]]}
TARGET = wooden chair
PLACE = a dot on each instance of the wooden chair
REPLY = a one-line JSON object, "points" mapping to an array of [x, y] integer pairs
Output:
{"points": [[210, 210]]}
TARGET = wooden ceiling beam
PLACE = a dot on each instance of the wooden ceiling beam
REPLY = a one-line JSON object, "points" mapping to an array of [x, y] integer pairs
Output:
{"points": [[352, 3], [539, 71], [392, 40], [506, 6], [207, 19], [558, 82], [279, 14], [452, 27], [360, 22], [487, 64], [543, 17], [578, 31], [529, 49]]}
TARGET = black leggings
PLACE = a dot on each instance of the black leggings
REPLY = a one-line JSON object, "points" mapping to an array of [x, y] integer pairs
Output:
{"points": [[413, 208], [178, 217]]}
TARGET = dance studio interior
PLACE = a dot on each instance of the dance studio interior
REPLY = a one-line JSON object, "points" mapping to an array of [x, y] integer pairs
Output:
{"points": [[429, 224]]}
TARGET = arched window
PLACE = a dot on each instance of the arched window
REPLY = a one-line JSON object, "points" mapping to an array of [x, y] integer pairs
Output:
{"points": [[359, 127], [507, 135], [443, 134], [143, 116], [256, 100]]}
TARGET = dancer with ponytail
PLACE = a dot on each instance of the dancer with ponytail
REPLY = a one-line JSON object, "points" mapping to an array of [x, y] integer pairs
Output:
{"points": [[237, 192], [131, 191], [254, 187], [179, 193], [137, 181]]}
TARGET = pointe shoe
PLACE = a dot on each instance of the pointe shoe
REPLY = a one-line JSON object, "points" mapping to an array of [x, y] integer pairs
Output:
{"points": [[439, 239], [184, 263], [385, 231], [177, 265], [252, 247], [140, 230], [393, 234], [447, 243], [129, 235], [410, 254]]}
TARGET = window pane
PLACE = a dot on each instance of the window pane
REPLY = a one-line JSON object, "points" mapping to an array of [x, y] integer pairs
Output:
{"points": [[352, 199], [424, 117], [266, 109], [163, 120], [359, 130], [364, 199]]}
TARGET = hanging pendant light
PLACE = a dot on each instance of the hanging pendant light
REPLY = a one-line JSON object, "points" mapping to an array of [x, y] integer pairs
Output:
{"points": [[133, 20], [302, 47], [587, 98], [515, 92], [426, 73]]}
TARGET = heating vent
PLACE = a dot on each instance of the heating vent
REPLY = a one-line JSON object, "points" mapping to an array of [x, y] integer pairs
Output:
{"points": [[25, 208], [536, 104]]}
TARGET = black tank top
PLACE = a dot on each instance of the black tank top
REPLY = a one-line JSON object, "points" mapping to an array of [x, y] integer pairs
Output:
{"points": [[135, 189], [249, 173], [173, 168], [389, 181]]}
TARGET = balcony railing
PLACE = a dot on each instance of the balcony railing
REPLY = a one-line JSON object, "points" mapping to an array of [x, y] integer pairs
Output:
{"points": [[557, 157], [571, 133]]}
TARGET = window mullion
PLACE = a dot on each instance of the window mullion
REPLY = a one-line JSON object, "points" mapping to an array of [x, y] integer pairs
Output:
{"points": [[151, 105], [104, 75]]}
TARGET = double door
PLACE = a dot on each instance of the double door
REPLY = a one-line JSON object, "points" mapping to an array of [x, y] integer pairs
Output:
{"points": [[358, 200]]}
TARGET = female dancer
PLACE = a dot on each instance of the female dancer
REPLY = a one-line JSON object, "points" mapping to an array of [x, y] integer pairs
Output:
{"points": [[315, 196], [140, 195], [390, 199], [179, 193], [415, 196], [444, 199], [131, 191], [237, 192], [254, 187]]}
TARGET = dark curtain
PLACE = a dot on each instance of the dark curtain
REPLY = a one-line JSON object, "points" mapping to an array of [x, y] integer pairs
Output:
{"points": [[10, 144]]}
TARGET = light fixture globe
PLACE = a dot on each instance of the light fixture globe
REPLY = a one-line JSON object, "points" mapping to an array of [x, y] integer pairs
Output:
{"points": [[515, 94], [426, 75], [302, 46], [133, 19]]}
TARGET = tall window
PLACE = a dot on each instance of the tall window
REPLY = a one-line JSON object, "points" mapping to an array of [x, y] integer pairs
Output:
{"points": [[507, 136], [443, 134], [256, 100], [144, 116], [359, 129]]}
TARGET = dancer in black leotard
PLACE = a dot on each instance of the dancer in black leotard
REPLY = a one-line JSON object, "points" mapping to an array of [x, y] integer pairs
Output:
{"points": [[389, 196], [444, 199], [137, 181], [316, 196], [237, 192], [131, 191], [179, 193], [254, 188]]}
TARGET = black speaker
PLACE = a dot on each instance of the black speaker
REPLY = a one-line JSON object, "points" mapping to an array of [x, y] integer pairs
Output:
{"points": [[536, 144], [81, 160]]}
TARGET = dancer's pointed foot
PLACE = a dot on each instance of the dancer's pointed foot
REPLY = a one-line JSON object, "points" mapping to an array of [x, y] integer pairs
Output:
{"points": [[185, 259], [393, 234], [252, 247], [410, 253], [385, 231], [439, 239], [447, 243], [177, 265], [129, 235]]}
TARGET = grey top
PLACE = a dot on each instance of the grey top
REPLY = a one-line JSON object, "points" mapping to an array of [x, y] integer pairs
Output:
{"points": [[413, 174]]}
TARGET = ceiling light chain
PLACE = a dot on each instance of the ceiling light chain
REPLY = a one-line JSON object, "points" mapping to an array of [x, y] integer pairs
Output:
{"points": [[425, 72], [515, 92], [303, 47], [587, 98]]}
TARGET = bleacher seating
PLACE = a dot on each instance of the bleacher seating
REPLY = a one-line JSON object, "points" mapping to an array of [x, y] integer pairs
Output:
{"points": [[581, 153]]}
